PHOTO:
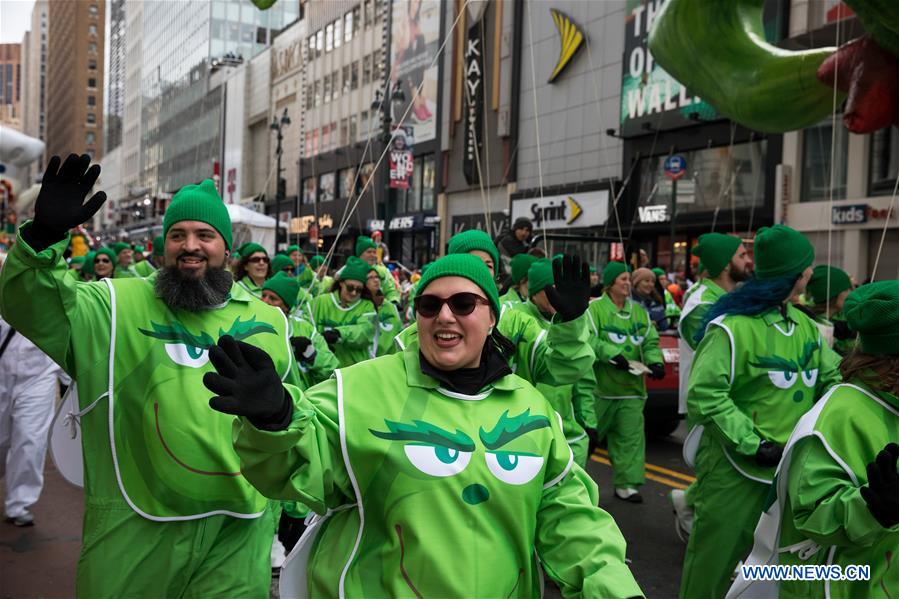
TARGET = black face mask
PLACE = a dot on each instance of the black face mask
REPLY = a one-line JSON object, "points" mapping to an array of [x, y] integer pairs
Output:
{"points": [[193, 294], [469, 381]]}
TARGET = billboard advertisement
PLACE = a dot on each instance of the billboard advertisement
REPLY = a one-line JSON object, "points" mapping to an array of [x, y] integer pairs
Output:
{"points": [[414, 41]]}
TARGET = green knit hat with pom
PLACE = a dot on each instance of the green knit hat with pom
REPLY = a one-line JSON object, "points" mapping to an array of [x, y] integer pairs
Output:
{"points": [[280, 262], [316, 261], [285, 286], [474, 239], [612, 271], [520, 264], [779, 252], [716, 251], [872, 311], [467, 266], [201, 203], [248, 249], [118, 247], [540, 276], [364, 242], [817, 285], [356, 269]]}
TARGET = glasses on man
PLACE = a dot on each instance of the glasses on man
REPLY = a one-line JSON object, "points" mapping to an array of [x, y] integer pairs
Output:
{"points": [[460, 304], [102, 261], [258, 260], [353, 289], [288, 270]]}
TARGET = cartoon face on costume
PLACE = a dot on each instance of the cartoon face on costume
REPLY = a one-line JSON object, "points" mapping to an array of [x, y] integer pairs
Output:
{"points": [[508, 455], [633, 335], [190, 350], [784, 373]]}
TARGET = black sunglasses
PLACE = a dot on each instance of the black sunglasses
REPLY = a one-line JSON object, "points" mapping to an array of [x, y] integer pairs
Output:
{"points": [[258, 259], [460, 304], [102, 261], [353, 288]]}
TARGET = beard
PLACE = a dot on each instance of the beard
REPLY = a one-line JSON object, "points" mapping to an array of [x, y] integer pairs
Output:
{"points": [[739, 276], [193, 293]]}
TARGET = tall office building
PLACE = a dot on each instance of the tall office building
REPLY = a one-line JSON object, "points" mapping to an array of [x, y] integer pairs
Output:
{"points": [[115, 75], [11, 85], [75, 77]]}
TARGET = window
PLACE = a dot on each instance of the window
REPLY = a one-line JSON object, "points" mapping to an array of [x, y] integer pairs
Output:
{"points": [[344, 131], [366, 70], [92, 29], [346, 80], [310, 97], [92, 48], [311, 50], [884, 161], [335, 85], [338, 33], [345, 180], [353, 132], [91, 118], [91, 82], [327, 89], [91, 64], [363, 126], [354, 75], [348, 25], [309, 190], [319, 42], [317, 87], [89, 138], [816, 161], [428, 172], [329, 37], [93, 10], [326, 187], [368, 9], [91, 101]]}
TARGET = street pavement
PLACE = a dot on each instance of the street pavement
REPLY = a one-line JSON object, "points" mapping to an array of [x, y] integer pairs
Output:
{"points": [[40, 561]]}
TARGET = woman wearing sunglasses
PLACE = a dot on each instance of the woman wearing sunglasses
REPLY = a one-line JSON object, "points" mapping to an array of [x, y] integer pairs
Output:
{"points": [[346, 317], [442, 474], [103, 264], [254, 268]]}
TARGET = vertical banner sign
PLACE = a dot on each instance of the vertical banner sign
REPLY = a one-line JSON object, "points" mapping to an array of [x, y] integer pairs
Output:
{"points": [[401, 161], [474, 102]]}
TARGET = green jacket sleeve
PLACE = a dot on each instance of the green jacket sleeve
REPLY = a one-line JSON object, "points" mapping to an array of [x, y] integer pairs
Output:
{"points": [[827, 506], [563, 356], [579, 544], [325, 361], [67, 312], [603, 349], [691, 323], [388, 286], [650, 347], [304, 462], [359, 334], [583, 400], [708, 399]]}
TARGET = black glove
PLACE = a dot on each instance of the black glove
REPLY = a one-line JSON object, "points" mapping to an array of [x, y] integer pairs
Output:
{"points": [[60, 204], [303, 350], [571, 292], [656, 371], [768, 453], [332, 336], [247, 385], [593, 440], [620, 362], [842, 331], [882, 492]]}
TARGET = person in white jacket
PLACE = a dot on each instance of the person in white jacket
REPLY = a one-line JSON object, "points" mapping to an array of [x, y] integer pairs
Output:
{"points": [[28, 388]]}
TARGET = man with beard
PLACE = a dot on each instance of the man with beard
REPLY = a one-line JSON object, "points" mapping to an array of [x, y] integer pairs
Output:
{"points": [[727, 263], [167, 512]]}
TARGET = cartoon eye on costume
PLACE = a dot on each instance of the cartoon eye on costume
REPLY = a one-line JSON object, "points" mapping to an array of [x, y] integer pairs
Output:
{"points": [[187, 355], [618, 338], [637, 339], [513, 468], [810, 377], [386, 326], [783, 379], [436, 460]]}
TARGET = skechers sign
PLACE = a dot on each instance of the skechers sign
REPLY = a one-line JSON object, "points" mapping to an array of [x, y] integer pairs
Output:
{"points": [[583, 209]]}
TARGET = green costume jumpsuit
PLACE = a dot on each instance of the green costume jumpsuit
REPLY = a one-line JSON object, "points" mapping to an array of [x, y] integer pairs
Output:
{"points": [[167, 512], [251, 287], [356, 324], [325, 362], [431, 493], [511, 298], [574, 403], [144, 268], [752, 379], [819, 516], [557, 355], [620, 395], [389, 325], [125, 273]]}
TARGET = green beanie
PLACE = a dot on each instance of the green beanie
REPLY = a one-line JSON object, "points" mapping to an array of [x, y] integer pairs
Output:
{"points": [[280, 262], [235, 255], [779, 252], [474, 239], [716, 251], [468, 267], [118, 246], [316, 261], [292, 248], [363, 242], [285, 286], [817, 285], [424, 267], [872, 311], [106, 252], [658, 272], [158, 245], [248, 249], [355, 269], [540, 276], [201, 203], [88, 267], [139, 249], [612, 271], [520, 265], [592, 268], [77, 260]]}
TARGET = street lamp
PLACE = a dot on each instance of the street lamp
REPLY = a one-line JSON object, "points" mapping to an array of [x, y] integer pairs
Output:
{"points": [[397, 96], [278, 125]]}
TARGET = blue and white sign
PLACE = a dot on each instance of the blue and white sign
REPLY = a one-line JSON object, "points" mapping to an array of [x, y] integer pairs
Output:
{"points": [[675, 167]]}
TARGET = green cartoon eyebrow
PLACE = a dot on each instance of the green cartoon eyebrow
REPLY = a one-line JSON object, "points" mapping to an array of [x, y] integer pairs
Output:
{"points": [[508, 428], [808, 353], [610, 328], [776, 363], [637, 329], [178, 334], [241, 330], [425, 432]]}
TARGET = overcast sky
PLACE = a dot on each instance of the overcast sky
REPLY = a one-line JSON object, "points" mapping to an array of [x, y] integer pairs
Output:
{"points": [[15, 20]]}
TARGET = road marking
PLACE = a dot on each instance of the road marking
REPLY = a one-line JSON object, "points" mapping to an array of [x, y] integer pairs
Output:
{"points": [[601, 457]]}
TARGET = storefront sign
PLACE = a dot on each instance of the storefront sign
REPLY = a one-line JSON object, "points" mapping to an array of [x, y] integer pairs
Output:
{"points": [[304, 224], [653, 214], [587, 209], [474, 102], [402, 223], [571, 39], [432, 220], [401, 162], [499, 222], [675, 167], [857, 214], [374, 224]]}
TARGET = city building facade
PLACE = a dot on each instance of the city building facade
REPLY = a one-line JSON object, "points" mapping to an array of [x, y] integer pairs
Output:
{"points": [[34, 79], [11, 86]]}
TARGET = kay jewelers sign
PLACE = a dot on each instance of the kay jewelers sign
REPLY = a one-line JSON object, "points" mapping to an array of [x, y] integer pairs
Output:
{"points": [[567, 211]]}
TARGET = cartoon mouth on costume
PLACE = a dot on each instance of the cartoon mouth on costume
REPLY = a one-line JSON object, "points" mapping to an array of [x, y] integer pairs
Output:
{"points": [[174, 457], [399, 533]]}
